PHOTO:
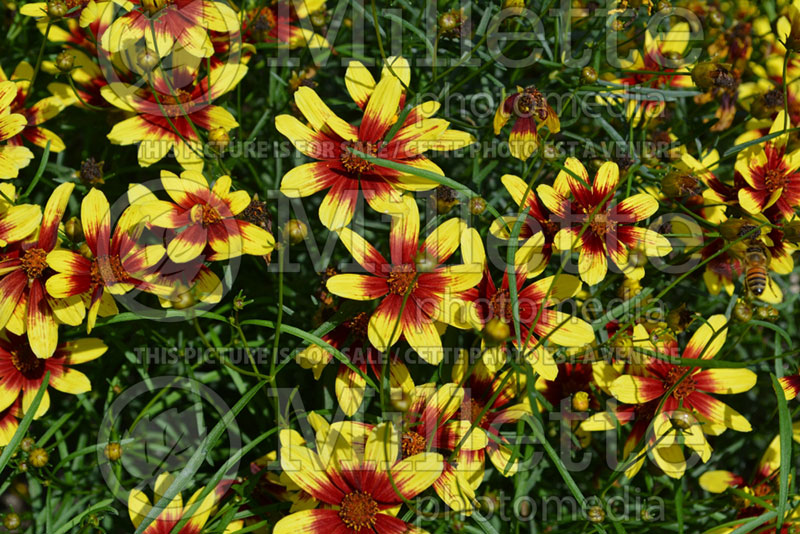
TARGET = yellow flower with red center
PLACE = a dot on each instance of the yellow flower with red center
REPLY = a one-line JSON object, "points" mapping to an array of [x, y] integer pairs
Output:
{"points": [[662, 55], [438, 420], [350, 338], [415, 288], [172, 110], [361, 486], [23, 274], [35, 116], [771, 173], [599, 227], [112, 265], [490, 401], [530, 111], [680, 390], [139, 507], [12, 158], [537, 232], [22, 372], [489, 305], [332, 141], [164, 23], [17, 221], [203, 216]]}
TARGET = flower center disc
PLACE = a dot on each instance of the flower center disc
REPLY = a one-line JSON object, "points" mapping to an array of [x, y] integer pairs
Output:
{"points": [[210, 216], [601, 224], [107, 270], [27, 363], [686, 386], [34, 262], [359, 325], [352, 162], [501, 305], [475, 409], [412, 444], [359, 510], [529, 102], [402, 279], [774, 179]]}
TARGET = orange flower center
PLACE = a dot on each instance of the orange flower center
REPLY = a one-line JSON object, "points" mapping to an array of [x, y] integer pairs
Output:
{"points": [[501, 306], [354, 163], [26, 362], [474, 411], [107, 270], [210, 216], [412, 444], [358, 510], [358, 325], [402, 279], [34, 262], [529, 102], [774, 179], [601, 224], [264, 22], [685, 387]]}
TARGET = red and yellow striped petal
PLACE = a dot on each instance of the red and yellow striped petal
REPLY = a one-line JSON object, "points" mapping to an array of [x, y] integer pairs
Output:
{"points": [[790, 385], [381, 110], [719, 412], [708, 339], [719, 481], [384, 325], [320, 521], [357, 286], [363, 252], [725, 381], [636, 389]]}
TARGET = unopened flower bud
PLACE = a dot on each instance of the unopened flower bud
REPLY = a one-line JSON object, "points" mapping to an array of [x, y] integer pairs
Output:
{"points": [[580, 401], [218, 139], [64, 61], [496, 330], [73, 229], [296, 231], [113, 451], [588, 75], [679, 184], [38, 457], [56, 9], [477, 205]]}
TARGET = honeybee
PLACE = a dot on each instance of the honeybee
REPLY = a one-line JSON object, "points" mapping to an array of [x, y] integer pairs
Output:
{"points": [[756, 260]]}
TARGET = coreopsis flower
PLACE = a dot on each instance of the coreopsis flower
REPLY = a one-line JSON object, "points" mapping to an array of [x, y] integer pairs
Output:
{"points": [[113, 263], [763, 484], [171, 109], [164, 23], [203, 217], [573, 384], [659, 53], [599, 227], [642, 416], [139, 507], [361, 489], [38, 113], [22, 372], [435, 421], [22, 283], [489, 304], [537, 232], [331, 141], [531, 111], [415, 288], [17, 221], [282, 22], [490, 401], [771, 173], [12, 158], [686, 389], [351, 339], [9, 422]]}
